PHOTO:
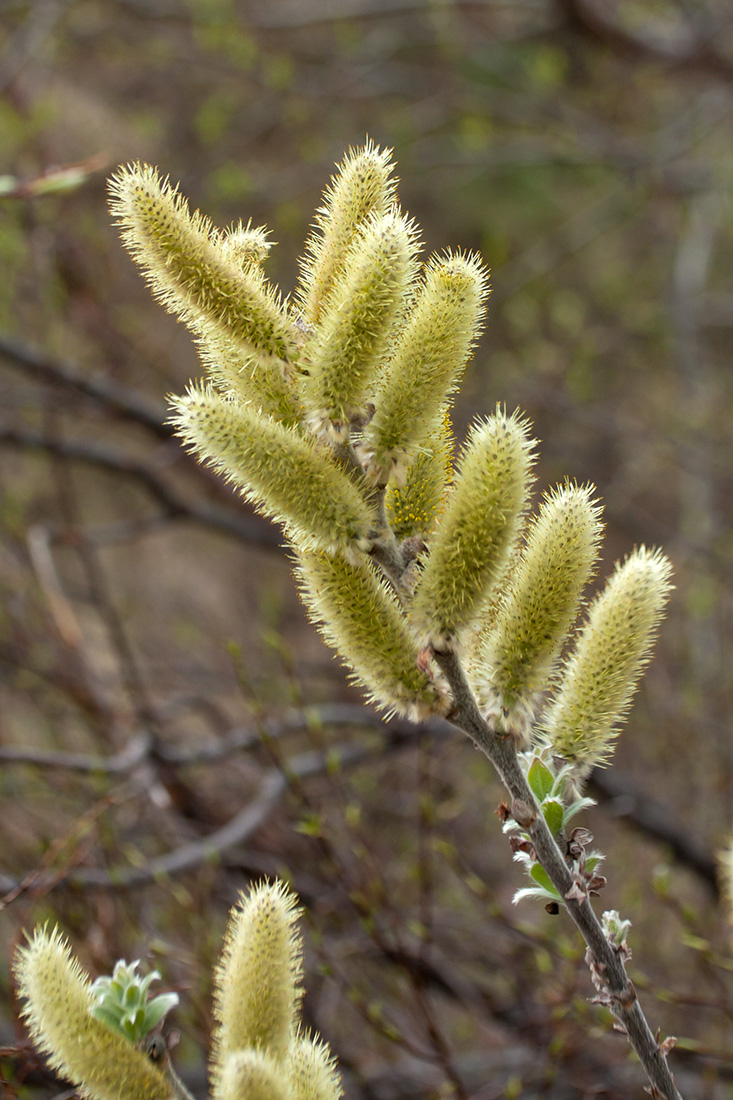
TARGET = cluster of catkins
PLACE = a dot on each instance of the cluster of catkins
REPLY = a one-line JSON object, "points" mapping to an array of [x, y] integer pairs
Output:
{"points": [[330, 411], [259, 1051]]}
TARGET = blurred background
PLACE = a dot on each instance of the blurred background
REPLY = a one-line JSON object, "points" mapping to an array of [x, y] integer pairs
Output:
{"points": [[170, 725]]}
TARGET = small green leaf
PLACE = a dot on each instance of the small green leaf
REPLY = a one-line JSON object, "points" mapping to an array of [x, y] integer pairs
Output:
{"points": [[576, 807], [554, 815], [157, 1009], [540, 779], [541, 877], [537, 893], [105, 1016]]}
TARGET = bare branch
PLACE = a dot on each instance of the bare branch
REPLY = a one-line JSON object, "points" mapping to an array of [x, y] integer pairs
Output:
{"points": [[122, 400], [228, 521]]}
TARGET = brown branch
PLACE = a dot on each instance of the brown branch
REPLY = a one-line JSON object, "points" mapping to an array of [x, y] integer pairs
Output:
{"points": [[651, 818], [623, 799], [698, 54], [194, 853], [122, 400], [174, 506]]}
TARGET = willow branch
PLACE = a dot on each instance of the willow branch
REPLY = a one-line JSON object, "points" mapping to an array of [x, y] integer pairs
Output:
{"points": [[606, 965]]}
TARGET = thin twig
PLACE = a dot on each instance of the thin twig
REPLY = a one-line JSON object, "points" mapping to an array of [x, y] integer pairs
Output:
{"points": [[122, 400], [228, 521], [625, 800]]}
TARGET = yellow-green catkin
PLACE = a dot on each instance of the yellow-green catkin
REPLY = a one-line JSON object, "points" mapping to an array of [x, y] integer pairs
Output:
{"points": [[312, 1071], [256, 983], [247, 245], [285, 473], [412, 507], [478, 529], [362, 185], [258, 380], [598, 680], [57, 995], [251, 1075], [517, 650], [189, 269], [428, 361], [357, 322], [360, 617]]}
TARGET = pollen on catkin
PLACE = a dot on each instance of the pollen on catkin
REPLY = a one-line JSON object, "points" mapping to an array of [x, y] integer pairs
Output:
{"points": [[427, 363], [357, 322], [599, 678], [282, 471], [361, 618], [518, 647], [362, 185], [413, 506], [58, 1002], [189, 269], [257, 990], [477, 531]]}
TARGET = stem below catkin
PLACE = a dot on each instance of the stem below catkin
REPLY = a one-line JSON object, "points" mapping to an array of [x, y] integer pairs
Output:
{"points": [[604, 960]]}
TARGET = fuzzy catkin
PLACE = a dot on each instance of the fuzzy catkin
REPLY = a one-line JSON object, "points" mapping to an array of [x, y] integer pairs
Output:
{"points": [[58, 998], [256, 983], [477, 530], [362, 185], [413, 506], [253, 379], [517, 649], [599, 678], [427, 363], [281, 470], [188, 268], [357, 322], [251, 1075], [359, 616], [312, 1070], [247, 245]]}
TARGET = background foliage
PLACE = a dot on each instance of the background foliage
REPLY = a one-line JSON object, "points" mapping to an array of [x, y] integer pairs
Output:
{"points": [[148, 620]]}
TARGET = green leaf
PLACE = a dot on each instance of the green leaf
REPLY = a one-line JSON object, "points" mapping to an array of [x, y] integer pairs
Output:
{"points": [[541, 877], [98, 1012], [157, 1008], [576, 807], [536, 892], [540, 779], [554, 814]]}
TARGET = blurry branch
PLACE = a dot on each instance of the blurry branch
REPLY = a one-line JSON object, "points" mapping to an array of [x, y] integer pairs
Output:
{"points": [[617, 791], [44, 567], [174, 506], [187, 856], [122, 400], [67, 850], [693, 53], [398, 731]]}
